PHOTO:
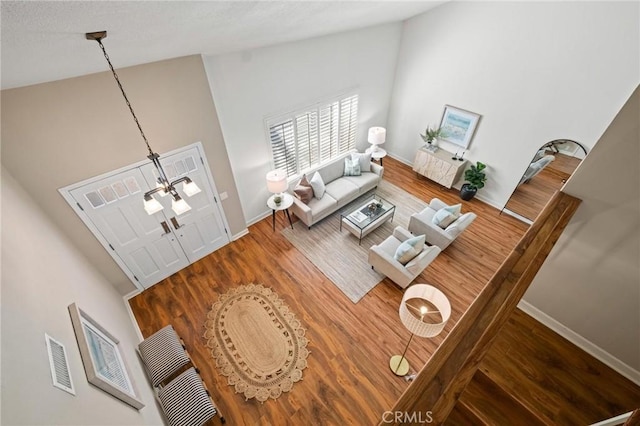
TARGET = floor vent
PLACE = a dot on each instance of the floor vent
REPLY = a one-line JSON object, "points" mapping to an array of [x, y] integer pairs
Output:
{"points": [[59, 364]]}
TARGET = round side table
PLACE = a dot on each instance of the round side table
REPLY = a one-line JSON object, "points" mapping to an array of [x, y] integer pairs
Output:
{"points": [[287, 201], [378, 154]]}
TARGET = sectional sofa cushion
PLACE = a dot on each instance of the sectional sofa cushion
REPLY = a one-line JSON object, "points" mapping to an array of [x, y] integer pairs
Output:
{"points": [[323, 206], [365, 180], [341, 189]]}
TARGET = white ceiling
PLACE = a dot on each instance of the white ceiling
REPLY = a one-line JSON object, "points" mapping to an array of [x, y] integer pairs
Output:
{"points": [[45, 40]]}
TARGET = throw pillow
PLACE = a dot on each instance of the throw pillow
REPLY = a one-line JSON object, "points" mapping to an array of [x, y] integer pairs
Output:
{"points": [[459, 224], [303, 190], [318, 185], [364, 159], [446, 215], [409, 249], [351, 167]]}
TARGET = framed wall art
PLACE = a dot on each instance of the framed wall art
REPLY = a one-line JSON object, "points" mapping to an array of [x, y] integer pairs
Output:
{"points": [[103, 363], [458, 126]]}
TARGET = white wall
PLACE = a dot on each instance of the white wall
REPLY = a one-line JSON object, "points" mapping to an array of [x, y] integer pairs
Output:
{"points": [[59, 133], [590, 282], [252, 85], [535, 71], [42, 273]]}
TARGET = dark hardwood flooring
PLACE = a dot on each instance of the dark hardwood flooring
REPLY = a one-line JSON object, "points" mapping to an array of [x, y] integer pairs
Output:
{"points": [[348, 380], [529, 199], [533, 376]]}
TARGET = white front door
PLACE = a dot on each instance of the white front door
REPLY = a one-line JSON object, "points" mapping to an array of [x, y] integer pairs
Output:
{"points": [[114, 205], [200, 230], [151, 248]]}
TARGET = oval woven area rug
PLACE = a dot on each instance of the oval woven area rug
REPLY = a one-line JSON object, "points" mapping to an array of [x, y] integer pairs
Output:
{"points": [[257, 342]]}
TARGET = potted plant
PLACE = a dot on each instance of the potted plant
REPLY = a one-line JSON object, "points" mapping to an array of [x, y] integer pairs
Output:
{"points": [[475, 178], [431, 134]]}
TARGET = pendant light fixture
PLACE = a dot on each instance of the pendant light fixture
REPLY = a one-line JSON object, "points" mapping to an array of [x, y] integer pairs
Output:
{"points": [[164, 186]]}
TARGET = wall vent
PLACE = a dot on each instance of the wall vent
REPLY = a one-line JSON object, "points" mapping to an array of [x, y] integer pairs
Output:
{"points": [[59, 364]]}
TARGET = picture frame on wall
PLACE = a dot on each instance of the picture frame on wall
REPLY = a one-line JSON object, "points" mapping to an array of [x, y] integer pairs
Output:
{"points": [[103, 363], [458, 126]]}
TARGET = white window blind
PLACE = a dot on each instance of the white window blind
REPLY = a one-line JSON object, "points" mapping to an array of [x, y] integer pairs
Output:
{"points": [[314, 135]]}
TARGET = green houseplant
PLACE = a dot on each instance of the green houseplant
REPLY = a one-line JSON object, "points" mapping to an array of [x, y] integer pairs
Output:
{"points": [[475, 178], [431, 134]]}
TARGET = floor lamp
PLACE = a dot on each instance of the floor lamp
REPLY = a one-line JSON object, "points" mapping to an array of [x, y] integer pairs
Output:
{"points": [[424, 311]]}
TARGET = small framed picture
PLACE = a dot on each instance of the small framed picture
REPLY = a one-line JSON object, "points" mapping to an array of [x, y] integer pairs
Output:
{"points": [[103, 363], [458, 126]]}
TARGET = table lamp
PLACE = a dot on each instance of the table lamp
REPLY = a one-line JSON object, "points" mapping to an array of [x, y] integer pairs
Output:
{"points": [[377, 136], [277, 184]]}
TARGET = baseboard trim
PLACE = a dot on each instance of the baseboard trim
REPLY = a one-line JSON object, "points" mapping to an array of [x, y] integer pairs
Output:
{"points": [[517, 216], [240, 234], [614, 421], [479, 196], [584, 344], [132, 317], [400, 159]]}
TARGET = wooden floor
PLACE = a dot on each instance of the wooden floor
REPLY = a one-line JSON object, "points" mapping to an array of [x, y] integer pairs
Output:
{"points": [[348, 380], [529, 199]]}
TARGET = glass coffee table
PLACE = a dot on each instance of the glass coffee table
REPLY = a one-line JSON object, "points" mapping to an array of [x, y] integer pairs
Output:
{"points": [[367, 217]]}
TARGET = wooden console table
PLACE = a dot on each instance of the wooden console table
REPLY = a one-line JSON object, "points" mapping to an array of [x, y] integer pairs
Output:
{"points": [[438, 166]]}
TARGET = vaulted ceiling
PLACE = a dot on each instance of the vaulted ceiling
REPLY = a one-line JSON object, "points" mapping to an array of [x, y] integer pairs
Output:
{"points": [[44, 40]]}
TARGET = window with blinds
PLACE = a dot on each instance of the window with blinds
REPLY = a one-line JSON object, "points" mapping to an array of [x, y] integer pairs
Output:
{"points": [[314, 135]]}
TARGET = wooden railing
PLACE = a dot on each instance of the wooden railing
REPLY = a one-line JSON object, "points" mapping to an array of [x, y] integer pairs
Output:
{"points": [[634, 419], [439, 384]]}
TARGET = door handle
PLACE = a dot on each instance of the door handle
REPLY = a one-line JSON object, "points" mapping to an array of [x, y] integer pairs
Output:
{"points": [[166, 228], [175, 223]]}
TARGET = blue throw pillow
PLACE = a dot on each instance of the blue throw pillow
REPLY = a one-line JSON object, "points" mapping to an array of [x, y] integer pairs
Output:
{"points": [[446, 215], [351, 167], [409, 249]]}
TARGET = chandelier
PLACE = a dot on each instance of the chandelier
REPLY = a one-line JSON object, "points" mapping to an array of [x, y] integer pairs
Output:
{"points": [[163, 185]]}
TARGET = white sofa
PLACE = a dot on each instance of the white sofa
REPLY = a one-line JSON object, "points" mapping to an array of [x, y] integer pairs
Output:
{"points": [[340, 190]]}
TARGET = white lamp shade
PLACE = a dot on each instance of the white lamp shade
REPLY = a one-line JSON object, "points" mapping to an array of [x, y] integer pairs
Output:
{"points": [[152, 205], [190, 188], [180, 206], [277, 181], [377, 135], [427, 324]]}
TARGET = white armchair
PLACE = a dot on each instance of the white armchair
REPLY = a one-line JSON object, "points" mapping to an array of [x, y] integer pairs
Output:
{"points": [[381, 258], [422, 223]]}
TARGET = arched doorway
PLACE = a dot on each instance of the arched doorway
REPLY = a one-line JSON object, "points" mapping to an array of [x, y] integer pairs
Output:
{"points": [[551, 166]]}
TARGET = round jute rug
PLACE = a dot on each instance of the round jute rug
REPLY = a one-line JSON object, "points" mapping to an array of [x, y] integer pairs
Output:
{"points": [[257, 342]]}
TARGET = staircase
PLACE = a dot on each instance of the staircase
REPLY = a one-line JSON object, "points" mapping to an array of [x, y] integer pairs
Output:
{"points": [[533, 376], [484, 402]]}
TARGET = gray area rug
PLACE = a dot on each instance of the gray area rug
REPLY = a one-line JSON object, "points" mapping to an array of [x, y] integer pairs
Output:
{"points": [[337, 253]]}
